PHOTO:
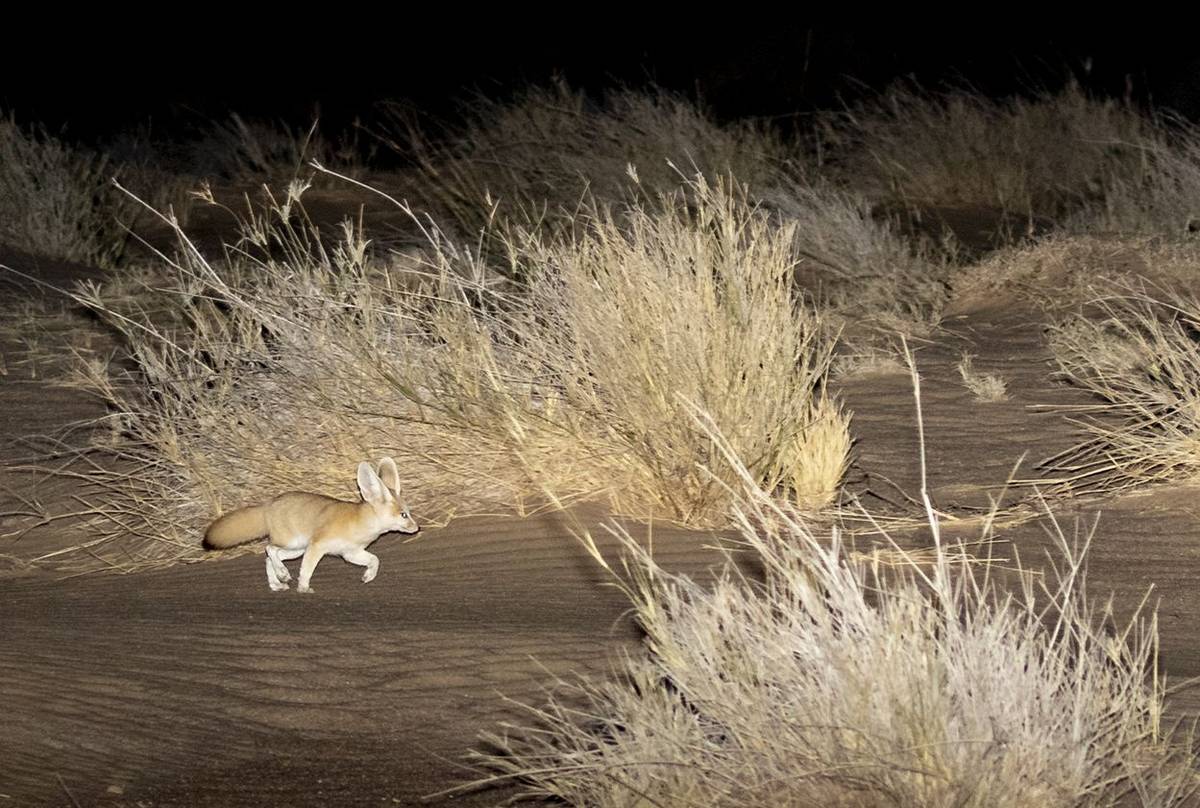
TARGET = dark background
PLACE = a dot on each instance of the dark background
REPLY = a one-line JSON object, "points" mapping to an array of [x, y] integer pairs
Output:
{"points": [[101, 75]]}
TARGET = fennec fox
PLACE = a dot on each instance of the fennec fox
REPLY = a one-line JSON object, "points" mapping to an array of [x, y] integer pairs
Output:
{"points": [[315, 526]]}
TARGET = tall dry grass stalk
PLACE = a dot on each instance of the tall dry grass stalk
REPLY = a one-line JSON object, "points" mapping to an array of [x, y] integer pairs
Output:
{"points": [[57, 200], [1139, 352], [282, 364], [1043, 156], [834, 681]]}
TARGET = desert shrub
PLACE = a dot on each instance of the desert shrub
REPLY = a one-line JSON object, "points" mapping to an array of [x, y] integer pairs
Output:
{"points": [[1161, 198], [836, 680], [1041, 156], [1061, 272], [1138, 351], [282, 364], [542, 153], [57, 200], [248, 150], [550, 153], [856, 268]]}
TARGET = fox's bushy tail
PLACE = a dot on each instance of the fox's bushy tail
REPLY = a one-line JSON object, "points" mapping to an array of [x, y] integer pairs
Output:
{"points": [[237, 527]]}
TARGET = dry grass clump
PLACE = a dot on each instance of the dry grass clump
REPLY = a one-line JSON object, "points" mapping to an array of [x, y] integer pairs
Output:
{"points": [[1162, 198], [285, 362], [871, 284], [1139, 353], [693, 305], [985, 387], [57, 200], [857, 269], [1042, 156], [38, 338], [551, 152], [247, 150], [871, 360], [838, 682], [1060, 272], [538, 155]]}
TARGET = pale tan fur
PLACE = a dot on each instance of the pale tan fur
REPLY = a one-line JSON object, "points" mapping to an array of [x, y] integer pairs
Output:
{"points": [[314, 525]]}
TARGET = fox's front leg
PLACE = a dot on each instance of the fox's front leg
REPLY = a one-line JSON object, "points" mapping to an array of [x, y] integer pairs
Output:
{"points": [[311, 556], [364, 559]]}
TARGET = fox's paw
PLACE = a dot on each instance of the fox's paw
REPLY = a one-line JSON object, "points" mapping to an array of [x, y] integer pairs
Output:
{"points": [[368, 576], [281, 586], [304, 590]]}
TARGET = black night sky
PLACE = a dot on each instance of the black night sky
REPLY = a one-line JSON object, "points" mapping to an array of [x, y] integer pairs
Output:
{"points": [[109, 73]]}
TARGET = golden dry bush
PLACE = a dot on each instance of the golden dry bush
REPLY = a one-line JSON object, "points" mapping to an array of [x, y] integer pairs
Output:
{"points": [[282, 363], [837, 681], [549, 154], [1137, 349]]}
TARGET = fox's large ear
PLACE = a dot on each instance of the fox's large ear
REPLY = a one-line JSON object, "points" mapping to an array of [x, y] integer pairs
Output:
{"points": [[369, 484], [389, 474]]}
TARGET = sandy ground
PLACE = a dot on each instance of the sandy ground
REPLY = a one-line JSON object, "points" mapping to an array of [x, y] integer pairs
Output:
{"points": [[197, 686]]}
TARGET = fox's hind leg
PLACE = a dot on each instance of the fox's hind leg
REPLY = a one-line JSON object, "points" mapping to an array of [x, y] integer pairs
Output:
{"points": [[311, 556], [277, 555], [364, 559], [277, 574], [276, 583]]}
